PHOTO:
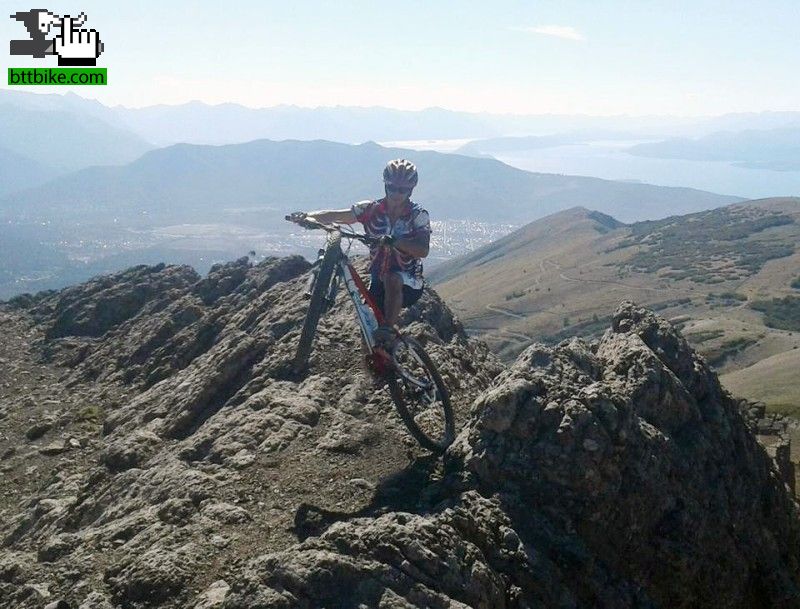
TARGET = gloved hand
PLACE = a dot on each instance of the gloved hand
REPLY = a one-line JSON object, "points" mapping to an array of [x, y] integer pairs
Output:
{"points": [[386, 241], [296, 216], [301, 218]]}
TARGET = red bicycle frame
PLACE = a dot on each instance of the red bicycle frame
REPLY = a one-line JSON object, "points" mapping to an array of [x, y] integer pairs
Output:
{"points": [[368, 313]]}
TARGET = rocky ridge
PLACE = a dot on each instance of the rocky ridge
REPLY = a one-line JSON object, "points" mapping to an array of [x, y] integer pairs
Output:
{"points": [[176, 463]]}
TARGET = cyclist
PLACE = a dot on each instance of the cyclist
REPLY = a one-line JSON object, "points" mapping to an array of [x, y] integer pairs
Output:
{"points": [[404, 230]]}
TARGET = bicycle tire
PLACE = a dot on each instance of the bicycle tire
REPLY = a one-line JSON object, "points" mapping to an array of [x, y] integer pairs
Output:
{"points": [[317, 303], [396, 389]]}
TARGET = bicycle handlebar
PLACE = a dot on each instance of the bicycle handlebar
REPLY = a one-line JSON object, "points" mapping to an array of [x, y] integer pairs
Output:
{"points": [[331, 228]]}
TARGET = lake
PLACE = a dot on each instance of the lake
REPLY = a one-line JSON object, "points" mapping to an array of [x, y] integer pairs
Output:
{"points": [[608, 159]]}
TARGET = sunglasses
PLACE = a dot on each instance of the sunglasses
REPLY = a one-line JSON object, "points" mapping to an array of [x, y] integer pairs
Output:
{"points": [[403, 190]]}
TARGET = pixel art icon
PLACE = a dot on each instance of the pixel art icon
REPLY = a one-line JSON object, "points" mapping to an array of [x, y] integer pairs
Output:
{"points": [[73, 46]]}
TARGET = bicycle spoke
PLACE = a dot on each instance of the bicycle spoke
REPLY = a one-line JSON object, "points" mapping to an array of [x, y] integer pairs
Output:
{"points": [[419, 393]]}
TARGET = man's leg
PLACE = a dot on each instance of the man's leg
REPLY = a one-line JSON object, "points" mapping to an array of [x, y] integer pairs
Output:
{"points": [[393, 297]]}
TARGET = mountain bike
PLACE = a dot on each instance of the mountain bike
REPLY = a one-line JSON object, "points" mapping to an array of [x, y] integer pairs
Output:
{"points": [[417, 389]]}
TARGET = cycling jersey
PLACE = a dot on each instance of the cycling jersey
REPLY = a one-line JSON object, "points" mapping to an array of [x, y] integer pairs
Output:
{"points": [[414, 221]]}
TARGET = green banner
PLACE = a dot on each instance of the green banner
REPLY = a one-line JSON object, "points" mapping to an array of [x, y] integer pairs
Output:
{"points": [[58, 76]]}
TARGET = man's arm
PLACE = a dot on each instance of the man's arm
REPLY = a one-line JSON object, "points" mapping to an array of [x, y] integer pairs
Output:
{"points": [[419, 244], [417, 247], [342, 216]]}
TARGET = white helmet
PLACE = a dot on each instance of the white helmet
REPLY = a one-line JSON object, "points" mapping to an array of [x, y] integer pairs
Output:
{"points": [[400, 172]]}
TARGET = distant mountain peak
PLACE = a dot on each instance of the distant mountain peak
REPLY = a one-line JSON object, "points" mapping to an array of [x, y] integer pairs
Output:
{"points": [[580, 212]]}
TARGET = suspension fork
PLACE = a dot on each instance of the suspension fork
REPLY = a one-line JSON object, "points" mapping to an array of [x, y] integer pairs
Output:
{"points": [[333, 288], [312, 278]]}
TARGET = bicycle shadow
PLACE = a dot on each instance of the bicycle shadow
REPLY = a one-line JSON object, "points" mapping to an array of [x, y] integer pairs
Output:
{"points": [[412, 489]]}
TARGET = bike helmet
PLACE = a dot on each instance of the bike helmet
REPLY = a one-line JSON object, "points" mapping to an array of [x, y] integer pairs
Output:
{"points": [[400, 172]]}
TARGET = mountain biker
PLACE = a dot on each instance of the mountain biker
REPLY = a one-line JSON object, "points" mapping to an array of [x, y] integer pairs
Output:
{"points": [[404, 229]]}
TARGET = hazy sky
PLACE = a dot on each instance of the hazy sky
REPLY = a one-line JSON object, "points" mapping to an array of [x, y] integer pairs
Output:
{"points": [[567, 56]]}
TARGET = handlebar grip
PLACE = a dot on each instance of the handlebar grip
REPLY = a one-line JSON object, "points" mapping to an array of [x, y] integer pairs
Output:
{"points": [[301, 221]]}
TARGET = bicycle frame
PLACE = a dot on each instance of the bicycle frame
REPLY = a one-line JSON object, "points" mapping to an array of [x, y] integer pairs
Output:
{"points": [[368, 314], [422, 403], [367, 311]]}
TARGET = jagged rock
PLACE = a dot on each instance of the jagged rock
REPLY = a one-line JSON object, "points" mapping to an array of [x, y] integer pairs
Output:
{"points": [[267, 421], [177, 510], [54, 448], [37, 430], [608, 474], [92, 308], [221, 280], [130, 451], [13, 568], [96, 600], [225, 512], [425, 562], [58, 546], [176, 327], [347, 434], [780, 452], [155, 576], [38, 591], [668, 450], [214, 596], [467, 555]]}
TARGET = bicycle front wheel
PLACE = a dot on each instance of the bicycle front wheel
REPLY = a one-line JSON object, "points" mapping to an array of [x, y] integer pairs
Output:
{"points": [[316, 305], [420, 396]]}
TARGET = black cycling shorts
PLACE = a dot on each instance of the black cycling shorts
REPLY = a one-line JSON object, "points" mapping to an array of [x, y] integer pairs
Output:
{"points": [[410, 295]]}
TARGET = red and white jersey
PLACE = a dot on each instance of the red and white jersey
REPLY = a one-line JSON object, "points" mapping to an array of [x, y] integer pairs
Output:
{"points": [[411, 223]]}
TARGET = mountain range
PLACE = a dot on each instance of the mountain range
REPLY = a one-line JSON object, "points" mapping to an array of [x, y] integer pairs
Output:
{"points": [[777, 149], [200, 123], [65, 141], [196, 204], [191, 182]]}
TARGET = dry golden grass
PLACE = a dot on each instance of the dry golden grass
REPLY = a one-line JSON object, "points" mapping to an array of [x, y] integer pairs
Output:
{"points": [[773, 380]]}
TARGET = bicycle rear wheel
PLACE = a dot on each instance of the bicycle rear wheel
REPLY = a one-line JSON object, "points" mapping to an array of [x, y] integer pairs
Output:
{"points": [[317, 304], [420, 396]]}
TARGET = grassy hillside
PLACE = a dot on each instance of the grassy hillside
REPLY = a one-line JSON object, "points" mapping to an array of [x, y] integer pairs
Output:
{"points": [[725, 276], [772, 380]]}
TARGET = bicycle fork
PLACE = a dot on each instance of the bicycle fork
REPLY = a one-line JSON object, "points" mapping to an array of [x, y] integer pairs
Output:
{"points": [[330, 298], [312, 278]]}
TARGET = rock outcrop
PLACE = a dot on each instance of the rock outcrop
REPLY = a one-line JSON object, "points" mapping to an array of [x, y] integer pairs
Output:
{"points": [[196, 472]]}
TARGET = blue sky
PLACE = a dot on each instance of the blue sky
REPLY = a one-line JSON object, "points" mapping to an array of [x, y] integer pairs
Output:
{"points": [[605, 57]]}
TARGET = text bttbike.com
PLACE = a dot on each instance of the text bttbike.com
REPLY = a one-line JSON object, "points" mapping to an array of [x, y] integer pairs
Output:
{"points": [[57, 76]]}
